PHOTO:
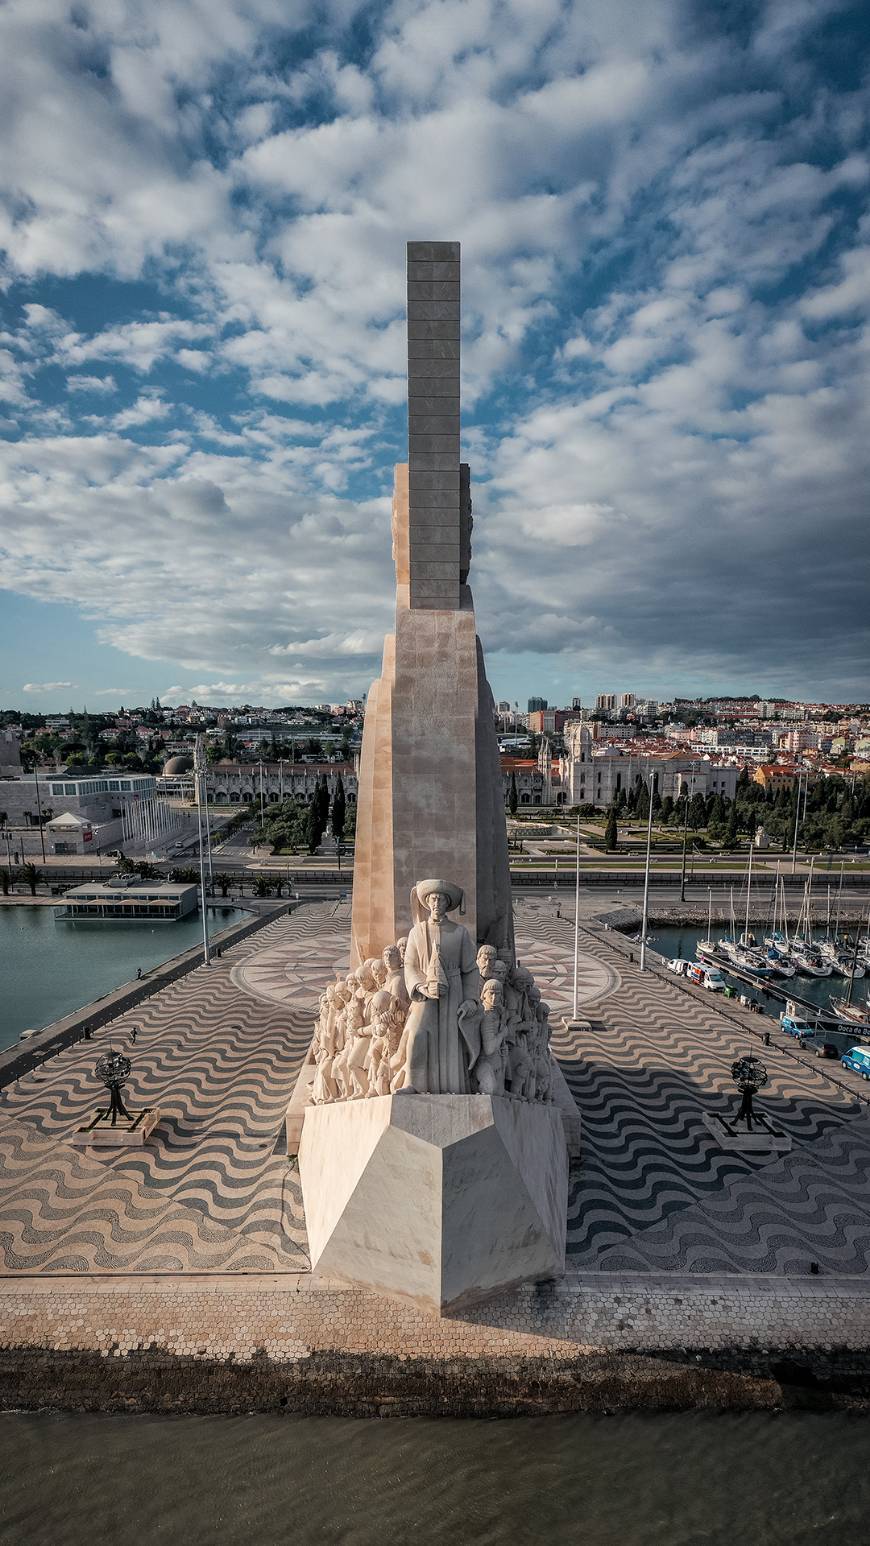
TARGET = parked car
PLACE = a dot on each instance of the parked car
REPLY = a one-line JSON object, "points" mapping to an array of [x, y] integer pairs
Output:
{"points": [[705, 976], [679, 966], [714, 982], [858, 1059], [826, 1049], [793, 1026]]}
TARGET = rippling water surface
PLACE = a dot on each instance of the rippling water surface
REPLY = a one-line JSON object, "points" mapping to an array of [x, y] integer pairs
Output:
{"points": [[50, 966], [664, 1480]]}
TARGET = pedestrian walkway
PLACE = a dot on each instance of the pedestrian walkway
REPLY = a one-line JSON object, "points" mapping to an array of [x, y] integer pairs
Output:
{"points": [[219, 1051]]}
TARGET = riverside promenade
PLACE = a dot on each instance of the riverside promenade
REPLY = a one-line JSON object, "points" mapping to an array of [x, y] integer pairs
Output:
{"points": [[194, 1247]]}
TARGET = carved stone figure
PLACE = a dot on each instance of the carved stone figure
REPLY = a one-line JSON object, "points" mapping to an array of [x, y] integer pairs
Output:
{"points": [[442, 980], [543, 1069], [488, 1071], [486, 958], [401, 946], [395, 975], [354, 1057]]}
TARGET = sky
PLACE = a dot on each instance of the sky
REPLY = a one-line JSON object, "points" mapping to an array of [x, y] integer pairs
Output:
{"points": [[663, 211]]}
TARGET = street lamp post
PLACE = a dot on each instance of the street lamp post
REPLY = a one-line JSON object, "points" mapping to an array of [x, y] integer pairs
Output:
{"points": [[39, 810], [646, 877], [199, 773], [576, 916]]}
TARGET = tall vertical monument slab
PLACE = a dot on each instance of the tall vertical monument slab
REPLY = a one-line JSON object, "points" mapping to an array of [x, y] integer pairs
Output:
{"points": [[430, 794], [432, 1156]]}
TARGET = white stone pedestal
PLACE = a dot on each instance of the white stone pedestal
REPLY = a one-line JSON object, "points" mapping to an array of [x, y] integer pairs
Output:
{"points": [[764, 1138], [442, 1200], [132, 1133]]}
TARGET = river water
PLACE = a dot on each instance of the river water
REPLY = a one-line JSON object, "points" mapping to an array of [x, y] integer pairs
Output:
{"points": [[51, 966], [651, 1480]]}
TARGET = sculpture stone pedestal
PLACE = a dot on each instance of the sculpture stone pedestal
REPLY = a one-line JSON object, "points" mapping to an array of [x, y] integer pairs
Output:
{"points": [[128, 1133], [443, 1200], [764, 1138]]}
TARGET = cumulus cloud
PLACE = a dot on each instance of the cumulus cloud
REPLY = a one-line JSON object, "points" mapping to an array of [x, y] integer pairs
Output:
{"points": [[103, 385], [45, 686], [665, 295]]}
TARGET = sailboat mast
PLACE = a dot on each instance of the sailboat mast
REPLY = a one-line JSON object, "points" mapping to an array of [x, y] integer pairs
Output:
{"points": [[839, 899], [748, 889]]}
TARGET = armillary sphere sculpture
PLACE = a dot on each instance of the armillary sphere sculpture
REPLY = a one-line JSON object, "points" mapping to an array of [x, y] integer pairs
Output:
{"points": [[112, 1070], [750, 1076]]}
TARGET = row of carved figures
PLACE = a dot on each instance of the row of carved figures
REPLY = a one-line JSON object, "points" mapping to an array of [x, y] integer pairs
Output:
{"points": [[432, 1016]]}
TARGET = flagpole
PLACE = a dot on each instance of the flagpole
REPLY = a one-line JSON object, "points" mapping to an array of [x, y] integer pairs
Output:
{"points": [[646, 878], [577, 915], [198, 767]]}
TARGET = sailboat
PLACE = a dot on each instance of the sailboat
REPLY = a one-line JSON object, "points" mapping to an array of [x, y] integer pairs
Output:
{"points": [[803, 952], [743, 954], [708, 948], [776, 941]]}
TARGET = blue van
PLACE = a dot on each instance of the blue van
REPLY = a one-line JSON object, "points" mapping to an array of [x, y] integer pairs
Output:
{"points": [[858, 1059]]}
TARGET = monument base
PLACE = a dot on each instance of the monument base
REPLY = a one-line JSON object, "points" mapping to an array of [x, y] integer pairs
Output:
{"points": [[129, 1133], [764, 1138], [300, 1102], [442, 1200]]}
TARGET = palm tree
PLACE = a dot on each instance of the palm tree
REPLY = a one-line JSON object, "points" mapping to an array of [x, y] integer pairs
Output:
{"points": [[32, 876], [224, 882]]}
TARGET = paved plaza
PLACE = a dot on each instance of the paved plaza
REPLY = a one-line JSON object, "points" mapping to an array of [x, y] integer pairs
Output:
{"points": [[218, 1052]]}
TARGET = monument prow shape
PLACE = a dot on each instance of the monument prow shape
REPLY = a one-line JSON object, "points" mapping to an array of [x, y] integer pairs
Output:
{"points": [[430, 798], [432, 1158]]}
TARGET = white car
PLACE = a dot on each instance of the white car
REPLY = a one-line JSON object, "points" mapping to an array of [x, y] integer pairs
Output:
{"points": [[679, 966], [713, 980]]}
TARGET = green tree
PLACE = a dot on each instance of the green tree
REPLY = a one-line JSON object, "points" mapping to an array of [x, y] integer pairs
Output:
{"points": [[262, 886], [32, 877], [315, 823], [323, 802], [697, 811], [223, 882], [611, 831], [513, 797], [339, 811]]}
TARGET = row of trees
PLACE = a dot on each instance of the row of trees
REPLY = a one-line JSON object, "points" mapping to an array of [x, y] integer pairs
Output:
{"points": [[293, 824], [834, 812], [28, 875]]}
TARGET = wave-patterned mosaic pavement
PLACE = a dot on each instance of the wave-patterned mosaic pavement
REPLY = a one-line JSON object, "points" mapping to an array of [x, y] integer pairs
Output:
{"points": [[219, 1052], [212, 1190], [654, 1192]]}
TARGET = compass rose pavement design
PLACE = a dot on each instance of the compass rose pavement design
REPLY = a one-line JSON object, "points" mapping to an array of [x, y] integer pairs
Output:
{"points": [[296, 973]]}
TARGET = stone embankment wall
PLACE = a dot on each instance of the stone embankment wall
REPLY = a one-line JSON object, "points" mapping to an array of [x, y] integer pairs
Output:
{"points": [[593, 1341]]}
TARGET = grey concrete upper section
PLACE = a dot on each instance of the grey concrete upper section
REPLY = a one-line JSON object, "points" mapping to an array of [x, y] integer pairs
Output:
{"points": [[438, 558]]}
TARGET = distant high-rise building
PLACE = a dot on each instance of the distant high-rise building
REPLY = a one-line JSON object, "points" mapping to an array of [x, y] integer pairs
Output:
{"points": [[576, 703], [605, 703], [627, 700], [537, 703]]}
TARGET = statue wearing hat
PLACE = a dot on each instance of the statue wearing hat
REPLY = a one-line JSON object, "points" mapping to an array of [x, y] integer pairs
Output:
{"points": [[443, 982]]}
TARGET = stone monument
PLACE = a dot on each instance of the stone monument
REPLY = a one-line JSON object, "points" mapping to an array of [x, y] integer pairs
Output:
{"points": [[430, 792], [432, 1157]]}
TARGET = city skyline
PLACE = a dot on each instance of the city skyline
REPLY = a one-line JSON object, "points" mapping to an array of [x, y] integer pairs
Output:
{"points": [[663, 219]]}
